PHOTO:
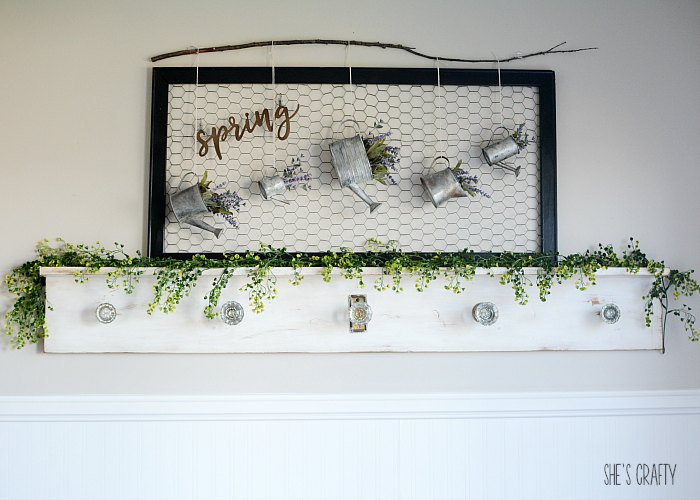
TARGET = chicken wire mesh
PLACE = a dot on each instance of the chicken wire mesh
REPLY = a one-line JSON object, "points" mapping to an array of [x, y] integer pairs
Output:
{"points": [[424, 121]]}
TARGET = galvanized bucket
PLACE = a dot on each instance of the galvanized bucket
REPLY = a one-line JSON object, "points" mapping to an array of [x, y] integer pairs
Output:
{"points": [[496, 154], [443, 185], [349, 158], [189, 208], [500, 151], [272, 186]]}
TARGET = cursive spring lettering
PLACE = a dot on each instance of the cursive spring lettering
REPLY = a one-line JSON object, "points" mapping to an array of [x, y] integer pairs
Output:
{"points": [[282, 118]]}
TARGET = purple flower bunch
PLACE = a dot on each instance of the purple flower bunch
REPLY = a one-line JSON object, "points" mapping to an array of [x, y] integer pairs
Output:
{"points": [[226, 204], [219, 202], [383, 159], [520, 136], [294, 176], [468, 182]]}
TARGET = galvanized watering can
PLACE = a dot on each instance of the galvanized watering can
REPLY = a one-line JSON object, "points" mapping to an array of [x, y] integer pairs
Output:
{"points": [[496, 154], [271, 187], [349, 158], [189, 208], [443, 185]]}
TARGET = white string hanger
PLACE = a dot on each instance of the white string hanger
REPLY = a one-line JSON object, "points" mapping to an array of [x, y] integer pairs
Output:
{"points": [[349, 118], [195, 63], [500, 91], [442, 139], [197, 122], [350, 87], [271, 53]]}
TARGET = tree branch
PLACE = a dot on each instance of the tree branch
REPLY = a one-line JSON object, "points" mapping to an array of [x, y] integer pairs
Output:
{"points": [[397, 46]]}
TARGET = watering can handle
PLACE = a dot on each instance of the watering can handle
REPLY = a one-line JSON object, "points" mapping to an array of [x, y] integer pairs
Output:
{"points": [[185, 177], [438, 158], [345, 123], [496, 130]]}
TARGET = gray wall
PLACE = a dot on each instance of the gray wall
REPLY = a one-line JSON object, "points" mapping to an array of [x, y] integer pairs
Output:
{"points": [[74, 108]]}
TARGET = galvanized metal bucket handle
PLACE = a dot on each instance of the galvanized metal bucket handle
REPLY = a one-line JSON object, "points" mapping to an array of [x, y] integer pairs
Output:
{"points": [[493, 139], [182, 181], [440, 158], [349, 121]]}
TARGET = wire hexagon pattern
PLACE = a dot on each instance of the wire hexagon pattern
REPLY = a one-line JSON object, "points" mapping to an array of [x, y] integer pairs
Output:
{"points": [[424, 120]]}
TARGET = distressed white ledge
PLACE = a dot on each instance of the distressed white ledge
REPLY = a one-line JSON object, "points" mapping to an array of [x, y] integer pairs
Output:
{"points": [[313, 317], [313, 271]]}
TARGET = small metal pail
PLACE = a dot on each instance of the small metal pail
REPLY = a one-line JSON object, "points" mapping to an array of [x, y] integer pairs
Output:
{"points": [[443, 185], [500, 151], [350, 161], [271, 186], [189, 208]]}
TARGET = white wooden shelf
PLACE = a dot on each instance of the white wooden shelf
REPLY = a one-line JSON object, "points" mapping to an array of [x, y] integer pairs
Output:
{"points": [[313, 317]]}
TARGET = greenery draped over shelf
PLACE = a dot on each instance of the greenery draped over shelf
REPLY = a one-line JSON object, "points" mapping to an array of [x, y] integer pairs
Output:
{"points": [[175, 278]]}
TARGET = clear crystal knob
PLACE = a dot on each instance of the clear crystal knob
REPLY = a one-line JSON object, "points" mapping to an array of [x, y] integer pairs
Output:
{"points": [[485, 313], [231, 313], [360, 313], [106, 313], [610, 314]]}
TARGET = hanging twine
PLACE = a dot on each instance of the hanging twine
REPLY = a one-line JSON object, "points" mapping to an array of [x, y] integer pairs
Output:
{"points": [[500, 91], [349, 66], [196, 125], [271, 52], [442, 139]]}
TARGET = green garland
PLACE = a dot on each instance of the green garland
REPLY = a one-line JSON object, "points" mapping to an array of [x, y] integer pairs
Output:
{"points": [[175, 278]]}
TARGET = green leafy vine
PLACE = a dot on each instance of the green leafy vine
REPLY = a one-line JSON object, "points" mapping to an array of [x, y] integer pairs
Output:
{"points": [[176, 278]]}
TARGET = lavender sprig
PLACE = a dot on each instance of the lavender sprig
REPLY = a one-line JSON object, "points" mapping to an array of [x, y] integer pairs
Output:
{"points": [[521, 139], [223, 203], [294, 176], [468, 182], [383, 159]]}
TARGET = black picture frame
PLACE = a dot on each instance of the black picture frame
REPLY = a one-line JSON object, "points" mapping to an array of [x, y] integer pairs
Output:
{"points": [[544, 80]]}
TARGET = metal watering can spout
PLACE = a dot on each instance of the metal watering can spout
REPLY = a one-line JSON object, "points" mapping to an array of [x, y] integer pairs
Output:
{"points": [[189, 208], [460, 193], [363, 196], [203, 225]]}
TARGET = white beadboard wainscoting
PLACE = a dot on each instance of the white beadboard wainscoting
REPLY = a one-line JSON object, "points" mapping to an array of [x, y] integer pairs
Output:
{"points": [[328, 447]]}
